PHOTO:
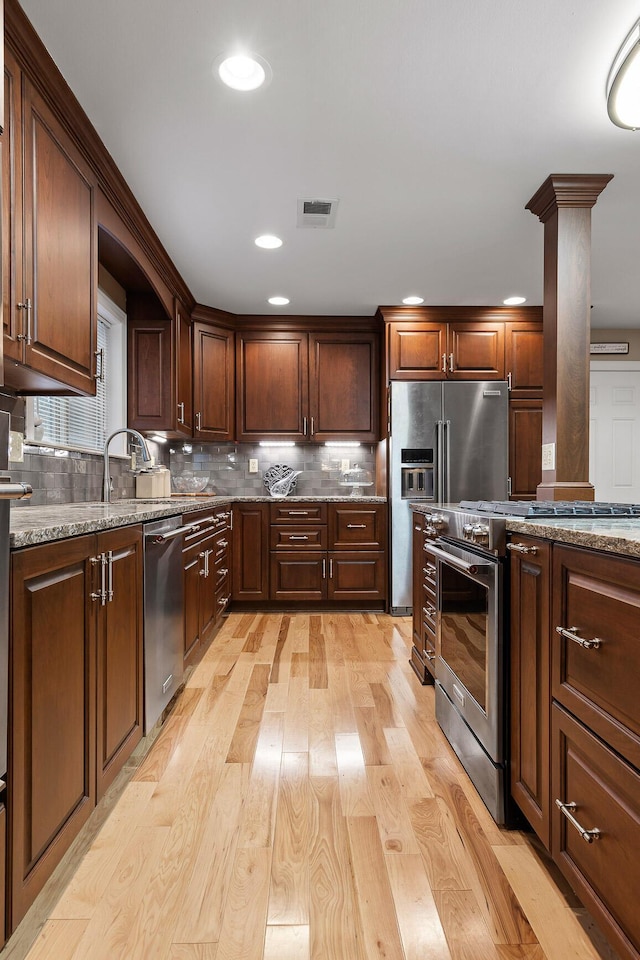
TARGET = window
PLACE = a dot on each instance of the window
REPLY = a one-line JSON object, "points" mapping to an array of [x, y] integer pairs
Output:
{"points": [[84, 423]]}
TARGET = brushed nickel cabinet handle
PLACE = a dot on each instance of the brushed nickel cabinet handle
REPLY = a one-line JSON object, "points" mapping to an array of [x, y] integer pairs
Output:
{"points": [[99, 374], [429, 656], [26, 305], [198, 420], [304, 426], [571, 633], [181, 412], [451, 364], [295, 536], [521, 548], [568, 809], [331, 569], [356, 526], [444, 363], [324, 569], [109, 562]]}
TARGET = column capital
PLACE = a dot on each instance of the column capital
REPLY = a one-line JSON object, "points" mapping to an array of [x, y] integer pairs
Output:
{"points": [[567, 190]]}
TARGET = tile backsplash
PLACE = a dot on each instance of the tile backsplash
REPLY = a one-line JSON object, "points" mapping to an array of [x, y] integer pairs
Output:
{"points": [[227, 466]]}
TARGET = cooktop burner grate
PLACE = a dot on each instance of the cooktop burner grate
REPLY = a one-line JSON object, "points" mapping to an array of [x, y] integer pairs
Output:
{"points": [[551, 508]]}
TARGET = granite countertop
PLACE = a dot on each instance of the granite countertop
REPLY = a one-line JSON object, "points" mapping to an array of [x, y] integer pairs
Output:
{"points": [[621, 535], [30, 525]]}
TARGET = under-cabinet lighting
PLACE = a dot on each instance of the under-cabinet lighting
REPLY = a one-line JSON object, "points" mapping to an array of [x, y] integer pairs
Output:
{"points": [[276, 443], [157, 438], [342, 443]]}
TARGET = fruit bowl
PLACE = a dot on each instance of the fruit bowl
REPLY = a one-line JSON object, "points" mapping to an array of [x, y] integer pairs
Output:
{"points": [[186, 484]]}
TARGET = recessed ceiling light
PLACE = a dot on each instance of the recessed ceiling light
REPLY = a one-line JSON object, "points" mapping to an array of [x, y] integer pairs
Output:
{"points": [[278, 301], [268, 241], [514, 301], [242, 72], [413, 301]]}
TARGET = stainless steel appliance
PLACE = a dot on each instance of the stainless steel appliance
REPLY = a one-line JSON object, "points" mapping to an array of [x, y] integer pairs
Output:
{"points": [[448, 440], [470, 667], [163, 615], [8, 491]]}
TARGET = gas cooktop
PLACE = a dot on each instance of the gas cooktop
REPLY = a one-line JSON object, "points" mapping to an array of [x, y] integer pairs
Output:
{"points": [[532, 509]]}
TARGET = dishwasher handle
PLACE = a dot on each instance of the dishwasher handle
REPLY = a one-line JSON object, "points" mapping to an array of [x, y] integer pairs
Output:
{"points": [[172, 534]]}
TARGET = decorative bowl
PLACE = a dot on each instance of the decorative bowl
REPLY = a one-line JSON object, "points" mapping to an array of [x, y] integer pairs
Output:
{"points": [[186, 484]]}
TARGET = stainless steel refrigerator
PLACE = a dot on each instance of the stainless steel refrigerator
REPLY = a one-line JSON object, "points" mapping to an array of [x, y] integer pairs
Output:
{"points": [[448, 442]]}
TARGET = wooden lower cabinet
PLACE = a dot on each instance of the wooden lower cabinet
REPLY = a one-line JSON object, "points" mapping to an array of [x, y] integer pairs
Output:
{"points": [[603, 793], [206, 569], [299, 575], [72, 657], [530, 680], [120, 655], [358, 576], [250, 578], [425, 588]]}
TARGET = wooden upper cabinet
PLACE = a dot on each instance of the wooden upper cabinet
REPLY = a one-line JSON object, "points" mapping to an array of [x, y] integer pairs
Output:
{"points": [[50, 235], [184, 371], [151, 381], [475, 351], [525, 448], [307, 386], [343, 389], [524, 358], [272, 396], [417, 351], [213, 382]]}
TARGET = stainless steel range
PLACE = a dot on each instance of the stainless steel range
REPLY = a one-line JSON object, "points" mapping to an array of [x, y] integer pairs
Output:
{"points": [[466, 545]]}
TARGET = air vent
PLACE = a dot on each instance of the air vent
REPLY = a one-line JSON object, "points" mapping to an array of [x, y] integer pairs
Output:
{"points": [[314, 212]]}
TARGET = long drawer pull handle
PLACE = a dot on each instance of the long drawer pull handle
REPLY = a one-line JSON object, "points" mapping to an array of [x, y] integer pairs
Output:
{"points": [[297, 513], [521, 548], [429, 656], [569, 809], [356, 526], [295, 536], [572, 634]]}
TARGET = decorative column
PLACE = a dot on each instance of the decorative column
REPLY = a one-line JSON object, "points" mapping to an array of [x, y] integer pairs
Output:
{"points": [[563, 203]]}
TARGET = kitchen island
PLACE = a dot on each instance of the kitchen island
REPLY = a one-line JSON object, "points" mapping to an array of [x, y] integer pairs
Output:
{"points": [[619, 535]]}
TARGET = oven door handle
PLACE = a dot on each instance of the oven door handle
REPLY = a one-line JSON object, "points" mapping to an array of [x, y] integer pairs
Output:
{"points": [[458, 562]]}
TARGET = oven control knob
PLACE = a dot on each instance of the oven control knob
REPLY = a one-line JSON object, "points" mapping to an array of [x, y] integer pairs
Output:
{"points": [[438, 521], [467, 531], [480, 534]]}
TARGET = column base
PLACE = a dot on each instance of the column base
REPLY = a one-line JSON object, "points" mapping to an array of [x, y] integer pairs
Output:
{"points": [[572, 490]]}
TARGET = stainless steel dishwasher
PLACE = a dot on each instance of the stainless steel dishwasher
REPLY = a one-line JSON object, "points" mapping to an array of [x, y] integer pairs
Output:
{"points": [[163, 614]]}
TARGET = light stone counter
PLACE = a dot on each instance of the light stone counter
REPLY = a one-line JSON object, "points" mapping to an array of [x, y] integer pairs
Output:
{"points": [[32, 525], [620, 535]]}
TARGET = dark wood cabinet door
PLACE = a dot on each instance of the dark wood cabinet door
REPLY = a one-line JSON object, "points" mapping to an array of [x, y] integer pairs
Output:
{"points": [[344, 387], [213, 382], [357, 575], [207, 599], [525, 448], [298, 575], [250, 552], [120, 657], [60, 247], [606, 793], [184, 371], [417, 350], [151, 398], [597, 597], [52, 776], [192, 569], [475, 351], [524, 358], [272, 393], [530, 680], [362, 527], [417, 576], [12, 275]]}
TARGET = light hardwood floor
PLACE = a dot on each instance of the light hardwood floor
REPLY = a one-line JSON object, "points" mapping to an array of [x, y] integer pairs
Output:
{"points": [[301, 803]]}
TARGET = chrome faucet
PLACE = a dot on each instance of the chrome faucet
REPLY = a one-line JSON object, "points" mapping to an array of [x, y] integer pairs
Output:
{"points": [[146, 457]]}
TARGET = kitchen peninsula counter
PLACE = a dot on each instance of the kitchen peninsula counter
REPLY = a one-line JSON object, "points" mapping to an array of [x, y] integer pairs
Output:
{"points": [[31, 525], [620, 535]]}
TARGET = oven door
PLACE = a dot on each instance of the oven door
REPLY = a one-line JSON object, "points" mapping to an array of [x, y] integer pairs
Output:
{"points": [[469, 655]]}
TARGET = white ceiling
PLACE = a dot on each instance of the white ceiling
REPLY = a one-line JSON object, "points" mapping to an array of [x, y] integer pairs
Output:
{"points": [[433, 122]]}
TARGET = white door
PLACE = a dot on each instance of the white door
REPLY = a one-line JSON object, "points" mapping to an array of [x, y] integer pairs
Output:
{"points": [[614, 440]]}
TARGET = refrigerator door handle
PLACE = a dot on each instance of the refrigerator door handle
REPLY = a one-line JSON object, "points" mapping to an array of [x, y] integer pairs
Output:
{"points": [[439, 491], [447, 459]]}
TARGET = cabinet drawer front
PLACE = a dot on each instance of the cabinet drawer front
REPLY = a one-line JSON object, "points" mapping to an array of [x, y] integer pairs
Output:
{"points": [[606, 793], [429, 609], [289, 537], [353, 528], [600, 596], [299, 513]]}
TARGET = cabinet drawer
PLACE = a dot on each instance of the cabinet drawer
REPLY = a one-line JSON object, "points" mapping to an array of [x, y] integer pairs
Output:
{"points": [[429, 609], [353, 528], [220, 546], [598, 595], [606, 792], [299, 513], [429, 570], [290, 537]]}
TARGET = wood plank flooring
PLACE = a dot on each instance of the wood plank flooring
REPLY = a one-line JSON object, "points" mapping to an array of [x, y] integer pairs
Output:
{"points": [[301, 803]]}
